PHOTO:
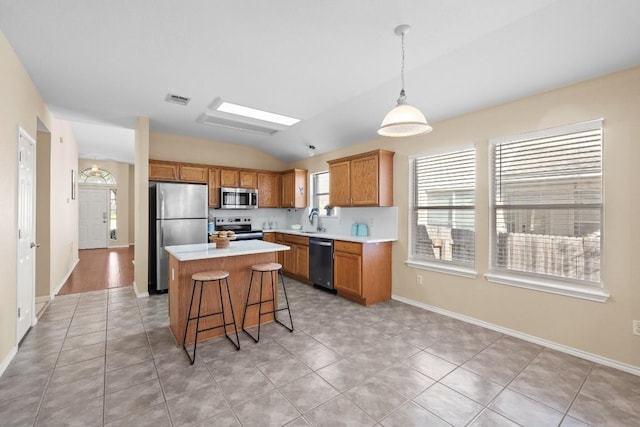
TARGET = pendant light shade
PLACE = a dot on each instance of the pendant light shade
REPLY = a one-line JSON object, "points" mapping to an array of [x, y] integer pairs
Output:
{"points": [[403, 120]]}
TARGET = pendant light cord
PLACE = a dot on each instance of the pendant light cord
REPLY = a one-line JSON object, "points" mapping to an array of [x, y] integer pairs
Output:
{"points": [[402, 66]]}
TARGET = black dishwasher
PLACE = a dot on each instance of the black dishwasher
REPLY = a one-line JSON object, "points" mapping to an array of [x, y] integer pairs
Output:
{"points": [[321, 263]]}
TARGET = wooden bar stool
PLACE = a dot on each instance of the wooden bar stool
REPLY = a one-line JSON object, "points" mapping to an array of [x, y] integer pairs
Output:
{"points": [[203, 278], [272, 268]]}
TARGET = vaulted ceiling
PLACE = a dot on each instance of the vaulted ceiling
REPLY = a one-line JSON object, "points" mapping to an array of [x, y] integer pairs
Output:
{"points": [[335, 65]]}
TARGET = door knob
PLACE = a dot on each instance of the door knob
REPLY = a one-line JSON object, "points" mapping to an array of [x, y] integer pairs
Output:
{"points": [[34, 245]]}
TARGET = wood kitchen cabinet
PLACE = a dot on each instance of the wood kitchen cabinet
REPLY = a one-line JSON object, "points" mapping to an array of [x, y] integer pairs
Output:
{"points": [[295, 262], [362, 180], [269, 237], [214, 188], [294, 188], [248, 179], [191, 173], [163, 171], [229, 178], [362, 271], [268, 189]]}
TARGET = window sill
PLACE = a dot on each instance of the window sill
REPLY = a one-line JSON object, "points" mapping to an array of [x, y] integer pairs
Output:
{"points": [[456, 270], [566, 289]]}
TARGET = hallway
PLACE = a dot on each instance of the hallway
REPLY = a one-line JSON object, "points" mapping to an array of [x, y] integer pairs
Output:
{"points": [[100, 269]]}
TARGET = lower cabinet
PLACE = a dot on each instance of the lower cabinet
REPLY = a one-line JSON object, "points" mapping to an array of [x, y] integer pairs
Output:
{"points": [[295, 262], [362, 271]]}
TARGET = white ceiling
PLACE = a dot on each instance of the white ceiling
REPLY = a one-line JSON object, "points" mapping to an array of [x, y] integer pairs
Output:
{"points": [[334, 64]]}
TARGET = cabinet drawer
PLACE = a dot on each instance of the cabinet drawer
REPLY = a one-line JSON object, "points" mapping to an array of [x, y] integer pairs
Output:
{"points": [[350, 247], [296, 240]]}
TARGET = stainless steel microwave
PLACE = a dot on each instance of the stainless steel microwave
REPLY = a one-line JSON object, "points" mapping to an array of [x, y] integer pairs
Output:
{"points": [[238, 198]]}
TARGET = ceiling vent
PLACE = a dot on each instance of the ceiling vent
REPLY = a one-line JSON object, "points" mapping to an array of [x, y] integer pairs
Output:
{"points": [[210, 120], [177, 99]]}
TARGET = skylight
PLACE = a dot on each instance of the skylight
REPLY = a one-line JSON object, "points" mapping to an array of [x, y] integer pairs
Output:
{"points": [[227, 107]]}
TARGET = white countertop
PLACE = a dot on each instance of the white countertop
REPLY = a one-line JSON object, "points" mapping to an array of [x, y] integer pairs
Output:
{"points": [[209, 250], [344, 237]]}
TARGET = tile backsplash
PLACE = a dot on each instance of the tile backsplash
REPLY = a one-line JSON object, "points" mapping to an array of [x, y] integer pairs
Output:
{"points": [[382, 222]]}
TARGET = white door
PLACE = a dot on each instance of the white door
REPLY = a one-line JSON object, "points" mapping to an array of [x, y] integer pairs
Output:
{"points": [[93, 217], [26, 232]]}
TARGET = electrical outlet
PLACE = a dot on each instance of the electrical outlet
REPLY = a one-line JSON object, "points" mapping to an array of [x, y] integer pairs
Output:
{"points": [[419, 279], [636, 327]]}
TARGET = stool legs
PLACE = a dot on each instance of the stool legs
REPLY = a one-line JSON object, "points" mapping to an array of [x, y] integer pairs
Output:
{"points": [[197, 318], [284, 290], [274, 290]]}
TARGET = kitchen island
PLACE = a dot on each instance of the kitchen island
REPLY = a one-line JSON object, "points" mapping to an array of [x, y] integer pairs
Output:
{"points": [[237, 259]]}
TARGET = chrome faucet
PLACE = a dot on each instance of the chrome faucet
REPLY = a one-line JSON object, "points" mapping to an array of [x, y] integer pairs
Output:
{"points": [[314, 213]]}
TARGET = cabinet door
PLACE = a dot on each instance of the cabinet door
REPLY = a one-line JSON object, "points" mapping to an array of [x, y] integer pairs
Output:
{"points": [[294, 189], [228, 178], [347, 273], [248, 179], [193, 173], [339, 184], [214, 188], [268, 190], [302, 261], [269, 237], [288, 196], [289, 261], [364, 181], [163, 171]]}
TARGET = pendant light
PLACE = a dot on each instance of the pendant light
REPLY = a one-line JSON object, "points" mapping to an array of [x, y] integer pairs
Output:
{"points": [[403, 120]]}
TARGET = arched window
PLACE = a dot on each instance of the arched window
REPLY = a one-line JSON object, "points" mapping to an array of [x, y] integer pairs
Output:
{"points": [[96, 176]]}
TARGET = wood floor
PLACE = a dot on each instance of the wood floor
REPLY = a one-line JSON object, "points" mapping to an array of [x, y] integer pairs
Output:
{"points": [[100, 269]]}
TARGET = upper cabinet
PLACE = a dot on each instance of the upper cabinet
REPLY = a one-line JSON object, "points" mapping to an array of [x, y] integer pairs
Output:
{"points": [[268, 189], [275, 189], [238, 178], [170, 171], [163, 171], [214, 187], [362, 180], [294, 188], [248, 179], [229, 178], [191, 173]]}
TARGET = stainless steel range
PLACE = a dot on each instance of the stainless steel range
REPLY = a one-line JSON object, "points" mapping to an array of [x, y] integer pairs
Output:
{"points": [[240, 225]]}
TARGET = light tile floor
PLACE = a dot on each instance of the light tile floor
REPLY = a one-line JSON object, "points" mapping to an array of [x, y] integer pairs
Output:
{"points": [[107, 358]]}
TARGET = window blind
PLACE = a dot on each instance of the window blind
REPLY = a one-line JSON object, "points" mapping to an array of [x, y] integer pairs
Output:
{"points": [[547, 202], [444, 208]]}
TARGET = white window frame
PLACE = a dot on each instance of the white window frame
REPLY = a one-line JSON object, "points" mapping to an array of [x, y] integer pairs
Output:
{"points": [[544, 283], [437, 265], [312, 194]]}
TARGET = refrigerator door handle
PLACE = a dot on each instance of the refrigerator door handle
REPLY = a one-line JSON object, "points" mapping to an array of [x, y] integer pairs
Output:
{"points": [[159, 250]]}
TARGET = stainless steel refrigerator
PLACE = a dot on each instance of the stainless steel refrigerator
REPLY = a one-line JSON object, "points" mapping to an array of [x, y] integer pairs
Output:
{"points": [[177, 216]]}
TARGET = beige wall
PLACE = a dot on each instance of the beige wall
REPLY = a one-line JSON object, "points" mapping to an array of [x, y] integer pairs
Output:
{"points": [[141, 196], [43, 210], [194, 150], [20, 105], [132, 211], [603, 329], [120, 172], [64, 210]]}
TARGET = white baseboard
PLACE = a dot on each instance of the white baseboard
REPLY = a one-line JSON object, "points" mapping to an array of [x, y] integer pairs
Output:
{"points": [[118, 246], [5, 363], [139, 294], [44, 298], [533, 339], [64, 279]]}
